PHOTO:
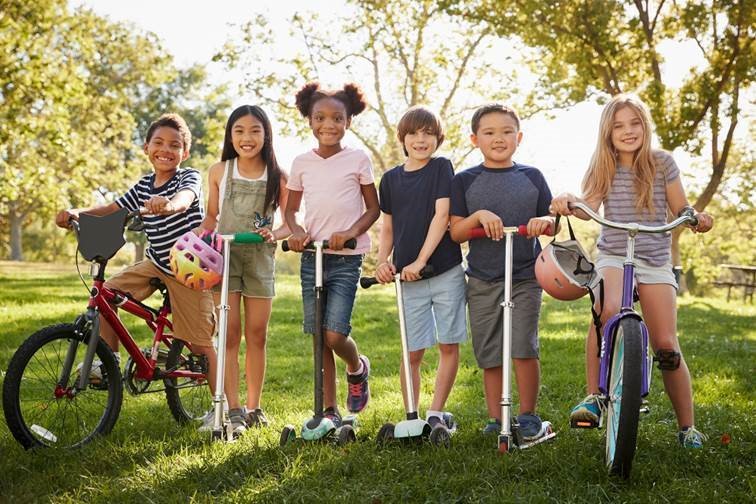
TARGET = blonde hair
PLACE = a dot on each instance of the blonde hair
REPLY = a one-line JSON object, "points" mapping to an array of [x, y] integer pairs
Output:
{"points": [[598, 179]]}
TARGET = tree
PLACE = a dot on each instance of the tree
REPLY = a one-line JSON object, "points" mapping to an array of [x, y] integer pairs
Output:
{"points": [[402, 53], [597, 48]]}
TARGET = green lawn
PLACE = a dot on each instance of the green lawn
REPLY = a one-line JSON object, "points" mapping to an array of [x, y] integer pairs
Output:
{"points": [[148, 458]]}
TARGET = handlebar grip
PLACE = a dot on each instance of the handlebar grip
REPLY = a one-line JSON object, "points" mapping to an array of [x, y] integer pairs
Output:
{"points": [[350, 244], [367, 282], [522, 230], [248, 238], [477, 232]]}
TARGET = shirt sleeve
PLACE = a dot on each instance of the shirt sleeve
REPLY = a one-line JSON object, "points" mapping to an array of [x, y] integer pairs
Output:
{"points": [[671, 171], [384, 193], [444, 179], [366, 171], [458, 202], [544, 197], [295, 177], [192, 181], [130, 199]]}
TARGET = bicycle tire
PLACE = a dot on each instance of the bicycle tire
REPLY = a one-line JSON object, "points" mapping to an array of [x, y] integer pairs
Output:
{"points": [[188, 399], [59, 422], [623, 406]]}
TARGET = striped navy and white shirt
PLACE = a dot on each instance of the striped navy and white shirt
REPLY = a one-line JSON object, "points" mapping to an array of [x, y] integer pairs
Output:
{"points": [[163, 230]]}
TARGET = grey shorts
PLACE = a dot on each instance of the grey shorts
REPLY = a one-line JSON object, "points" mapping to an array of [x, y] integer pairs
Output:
{"points": [[486, 320], [645, 273]]}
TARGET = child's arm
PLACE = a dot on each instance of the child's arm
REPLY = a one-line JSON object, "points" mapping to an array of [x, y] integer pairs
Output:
{"points": [[461, 226], [385, 271], [282, 231], [61, 220], [299, 237], [372, 212], [560, 205], [677, 202], [210, 222], [438, 226], [160, 205]]}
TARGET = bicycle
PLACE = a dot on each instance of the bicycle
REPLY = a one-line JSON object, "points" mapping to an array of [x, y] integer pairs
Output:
{"points": [[624, 352], [50, 401]]}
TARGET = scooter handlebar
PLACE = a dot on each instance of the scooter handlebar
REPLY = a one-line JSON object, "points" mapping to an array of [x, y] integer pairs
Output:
{"points": [[367, 282], [522, 230], [350, 244]]}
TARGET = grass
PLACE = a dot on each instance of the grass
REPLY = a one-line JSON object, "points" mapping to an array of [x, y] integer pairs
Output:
{"points": [[150, 458]]}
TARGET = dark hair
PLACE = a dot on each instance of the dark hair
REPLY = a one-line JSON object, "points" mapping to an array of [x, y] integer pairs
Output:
{"points": [[273, 185], [174, 121], [490, 109], [350, 95], [419, 118]]}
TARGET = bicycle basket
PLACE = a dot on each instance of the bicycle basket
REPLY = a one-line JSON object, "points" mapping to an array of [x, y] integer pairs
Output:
{"points": [[101, 237]]}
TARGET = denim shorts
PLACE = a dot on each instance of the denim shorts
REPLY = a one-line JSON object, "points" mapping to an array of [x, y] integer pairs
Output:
{"points": [[341, 273], [434, 309]]}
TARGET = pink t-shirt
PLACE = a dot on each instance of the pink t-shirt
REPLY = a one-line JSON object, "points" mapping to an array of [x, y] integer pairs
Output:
{"points": [[332, 194]]}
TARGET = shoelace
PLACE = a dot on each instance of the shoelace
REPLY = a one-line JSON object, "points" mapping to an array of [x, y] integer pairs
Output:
{"points": [[355, 389], [693, 434]]}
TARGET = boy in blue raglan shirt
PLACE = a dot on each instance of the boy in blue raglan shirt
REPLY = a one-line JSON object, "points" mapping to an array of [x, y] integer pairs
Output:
{"points": [[493, 193]]}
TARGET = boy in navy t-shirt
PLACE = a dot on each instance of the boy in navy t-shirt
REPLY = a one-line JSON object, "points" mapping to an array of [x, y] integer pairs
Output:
{"points": [[414, 199], [493, 193]]}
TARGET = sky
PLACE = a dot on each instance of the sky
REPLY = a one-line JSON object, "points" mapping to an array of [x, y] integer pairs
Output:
{"points": [[193, 30]]}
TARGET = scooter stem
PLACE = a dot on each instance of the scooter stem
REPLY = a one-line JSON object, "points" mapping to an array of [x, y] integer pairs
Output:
{"points": [[220, 369], [318, 336], [506, 354], [409, 385]]}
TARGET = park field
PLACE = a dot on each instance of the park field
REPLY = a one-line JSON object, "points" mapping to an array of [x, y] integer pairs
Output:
{"points": [[149, 458]]}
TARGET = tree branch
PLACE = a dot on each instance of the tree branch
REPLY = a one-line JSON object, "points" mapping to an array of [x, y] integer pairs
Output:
{"points": [[461, 71]]}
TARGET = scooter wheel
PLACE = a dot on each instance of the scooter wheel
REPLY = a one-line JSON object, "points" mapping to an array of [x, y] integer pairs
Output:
{"points": [[440, 436], [346, 435], [503, 447], [386, 434], [288, 435]]}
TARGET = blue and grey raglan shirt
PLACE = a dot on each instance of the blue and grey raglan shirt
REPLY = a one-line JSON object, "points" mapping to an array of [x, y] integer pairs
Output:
{"points": [[163, 230], [516, 195]]}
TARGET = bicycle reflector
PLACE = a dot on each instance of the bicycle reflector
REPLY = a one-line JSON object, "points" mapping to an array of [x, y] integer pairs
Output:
{"points": [[195, 263]]}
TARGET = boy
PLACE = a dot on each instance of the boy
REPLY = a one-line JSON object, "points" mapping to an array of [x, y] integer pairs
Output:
{"points": [[414, 199], [496, 192], [172, 197]]}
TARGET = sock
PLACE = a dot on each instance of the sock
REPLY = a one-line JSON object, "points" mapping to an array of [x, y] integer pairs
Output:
{"points": [[430, 413], [359, 371]]}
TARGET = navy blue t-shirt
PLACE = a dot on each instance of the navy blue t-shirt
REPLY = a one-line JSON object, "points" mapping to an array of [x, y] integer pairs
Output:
{"points": [[410, 198], [516, 195]]}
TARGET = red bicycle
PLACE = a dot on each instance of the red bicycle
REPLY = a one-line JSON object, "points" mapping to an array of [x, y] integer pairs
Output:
{"points": [[53, 397]]}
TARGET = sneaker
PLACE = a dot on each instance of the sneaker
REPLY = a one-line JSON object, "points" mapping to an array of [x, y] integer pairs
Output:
{"points": [[95, 372], [587, 414], [256, 418], [689, 437], [333, 415], [493, 426], [531, 426], [206, 422], [448, 421], [359, 392], [236, 419]]}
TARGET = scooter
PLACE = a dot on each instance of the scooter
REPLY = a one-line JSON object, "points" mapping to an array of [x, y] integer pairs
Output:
{"points": [[510, 436], [318, 427], [413, 427], [222, 430]]}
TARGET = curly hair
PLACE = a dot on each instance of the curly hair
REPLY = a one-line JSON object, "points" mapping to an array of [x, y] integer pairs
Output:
{"points": [[174, 121], [350, 95]]}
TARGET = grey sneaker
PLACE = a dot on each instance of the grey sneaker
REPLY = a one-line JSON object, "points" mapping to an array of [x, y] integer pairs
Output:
{"points": [[448, 421], [236, 418], [256, 418], [531, 426], [492, 427]]}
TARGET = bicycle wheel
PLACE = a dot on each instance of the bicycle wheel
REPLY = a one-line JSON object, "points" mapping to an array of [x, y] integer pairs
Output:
{"points": [[623, 406], [188, 398], [39, 411]]}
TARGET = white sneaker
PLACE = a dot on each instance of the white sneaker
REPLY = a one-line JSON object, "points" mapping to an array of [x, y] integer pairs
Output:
{"points": [[95, 372]]}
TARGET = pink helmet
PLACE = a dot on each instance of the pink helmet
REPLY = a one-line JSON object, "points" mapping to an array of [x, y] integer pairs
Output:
{"points": [[564, 271], [195, 262]]}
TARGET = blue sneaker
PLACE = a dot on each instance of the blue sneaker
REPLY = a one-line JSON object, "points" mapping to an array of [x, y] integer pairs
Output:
{"points": [[333, 415], [358, 394], [587, 414], [531, 426], [689, 437], [492, 427]]}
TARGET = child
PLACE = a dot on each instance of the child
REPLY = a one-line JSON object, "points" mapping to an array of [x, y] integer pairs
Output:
{"points": [[637, 184], [496, 192], [341, 203], [415, 203], [246, 187], [172, 197]]}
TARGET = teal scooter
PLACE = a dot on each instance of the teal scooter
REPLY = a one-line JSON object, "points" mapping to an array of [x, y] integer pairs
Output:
{"points": [[413, 427], [320, 428]]}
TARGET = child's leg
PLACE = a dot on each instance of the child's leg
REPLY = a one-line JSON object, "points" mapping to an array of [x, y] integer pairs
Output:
{"points": [[446, 373], [612, 301], [416, 359], [528, 376], [256, 317], [212, 362], [492, 391], [329, 379], [345, 348], [233, 339], [660, 314]]}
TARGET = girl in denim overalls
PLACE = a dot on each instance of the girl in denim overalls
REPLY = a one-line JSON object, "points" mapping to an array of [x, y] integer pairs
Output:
{"points": [[245, 189]]}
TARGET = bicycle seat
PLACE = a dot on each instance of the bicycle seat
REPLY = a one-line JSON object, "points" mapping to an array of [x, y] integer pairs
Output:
{"points": [[101, 237]]}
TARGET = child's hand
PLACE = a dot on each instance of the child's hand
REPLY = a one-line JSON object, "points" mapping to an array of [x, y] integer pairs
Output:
{"points": [[298, 241], [492, 224], [267, 235], [560, 204], [539, 225], [705, 222], [385, 272], [411, 272], [338, 239], [61, 220], [159, 205]]}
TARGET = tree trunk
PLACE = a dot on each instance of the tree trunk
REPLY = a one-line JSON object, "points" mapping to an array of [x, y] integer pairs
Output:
{"points": [[15, 219]]}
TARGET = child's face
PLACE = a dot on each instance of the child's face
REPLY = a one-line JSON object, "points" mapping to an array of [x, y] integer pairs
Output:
{"points": [[627, 131], [165, 149], [421, 144], [497, 138], [329, 121], [248, 136]]}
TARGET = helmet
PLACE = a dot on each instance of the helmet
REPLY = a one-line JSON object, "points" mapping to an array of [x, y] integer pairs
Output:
{"points": [[195, 262], [564, 271]]}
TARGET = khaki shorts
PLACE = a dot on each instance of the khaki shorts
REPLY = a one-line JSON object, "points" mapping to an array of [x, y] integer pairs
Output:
{"points": [[192, 311], [645, 273], [251, 270], [486, 320]]}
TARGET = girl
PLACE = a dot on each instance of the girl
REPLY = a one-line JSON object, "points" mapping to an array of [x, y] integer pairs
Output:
{"points": [[341, 203], [637, 184], [246, 187]]}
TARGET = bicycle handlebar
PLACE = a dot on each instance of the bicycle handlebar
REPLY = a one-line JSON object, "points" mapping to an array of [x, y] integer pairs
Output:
{"points": [[686, 218], [350, 244]]}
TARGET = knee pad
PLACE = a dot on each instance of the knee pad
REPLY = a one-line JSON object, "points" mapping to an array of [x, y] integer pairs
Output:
{"points": [[668, 360]]}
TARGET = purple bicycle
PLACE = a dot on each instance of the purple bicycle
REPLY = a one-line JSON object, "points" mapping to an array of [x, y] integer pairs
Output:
{"points": [[625, 369]]}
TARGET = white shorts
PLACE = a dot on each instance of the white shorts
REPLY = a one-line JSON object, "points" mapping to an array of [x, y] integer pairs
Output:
{"points": [[645, 273]]}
